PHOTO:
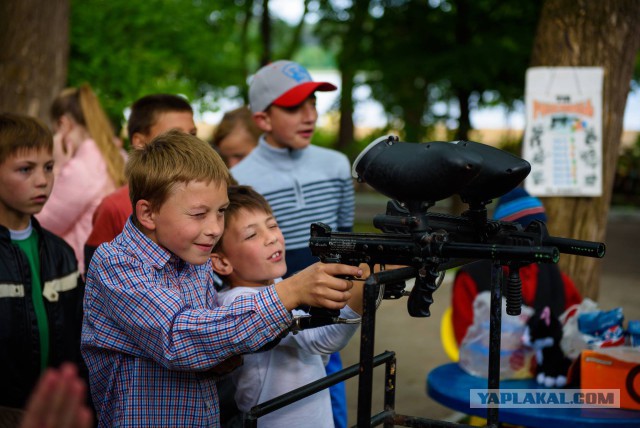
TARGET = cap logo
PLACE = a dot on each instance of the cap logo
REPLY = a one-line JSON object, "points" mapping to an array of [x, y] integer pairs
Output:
{"points": [[296, 72]]}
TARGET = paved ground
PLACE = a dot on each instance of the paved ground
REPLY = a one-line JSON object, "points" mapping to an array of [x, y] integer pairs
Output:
{"points": [[416, 341]]}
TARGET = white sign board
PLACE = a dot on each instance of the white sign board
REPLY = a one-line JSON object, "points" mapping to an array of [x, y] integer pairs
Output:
{"points": [[563, 134]]}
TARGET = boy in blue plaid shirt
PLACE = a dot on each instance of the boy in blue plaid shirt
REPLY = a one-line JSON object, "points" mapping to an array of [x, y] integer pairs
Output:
{"points": [[153, 330]]}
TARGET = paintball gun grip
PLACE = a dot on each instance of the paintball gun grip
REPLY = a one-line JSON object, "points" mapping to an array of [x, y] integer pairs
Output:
{"points": [[421, 296], [323, 313], [514, 291]]}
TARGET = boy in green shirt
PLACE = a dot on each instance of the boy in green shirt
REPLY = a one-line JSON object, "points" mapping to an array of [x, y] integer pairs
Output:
{"points": [[41, 290]]}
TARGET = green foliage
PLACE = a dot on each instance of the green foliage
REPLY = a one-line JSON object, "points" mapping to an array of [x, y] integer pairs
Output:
{"points": [[416, 54], [413, 54], [324, 137], [512, 146], [314, 56], [635, 82], [126, 49]]}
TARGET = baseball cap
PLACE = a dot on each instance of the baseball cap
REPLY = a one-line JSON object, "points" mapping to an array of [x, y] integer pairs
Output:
{"points": [[282, 83], [519, 206]]}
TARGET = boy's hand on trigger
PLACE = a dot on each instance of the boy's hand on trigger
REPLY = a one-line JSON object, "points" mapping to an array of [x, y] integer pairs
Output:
{"points": [[318, 285]]}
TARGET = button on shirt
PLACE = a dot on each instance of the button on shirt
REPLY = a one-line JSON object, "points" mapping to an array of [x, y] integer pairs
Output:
{"points": [[153, 328]]}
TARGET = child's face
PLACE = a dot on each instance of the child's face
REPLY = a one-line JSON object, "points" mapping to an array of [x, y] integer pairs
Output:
{"points": [[191, 220], [26, 179], [236, 146], [290, 127], [166, 121], [254, 248]]}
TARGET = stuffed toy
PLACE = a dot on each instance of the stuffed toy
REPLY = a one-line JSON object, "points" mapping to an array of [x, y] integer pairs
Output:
{"points": [[543, 334]]}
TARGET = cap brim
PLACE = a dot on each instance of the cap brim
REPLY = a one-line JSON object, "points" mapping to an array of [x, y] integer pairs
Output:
{"points": [[295, 96]]}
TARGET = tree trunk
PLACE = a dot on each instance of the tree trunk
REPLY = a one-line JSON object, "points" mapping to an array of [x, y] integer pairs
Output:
{"points": [[463, 39], [265, 32], [590, 33], [244, 47], [34, 41], [346, 131], [346, 63], [464, 122]]}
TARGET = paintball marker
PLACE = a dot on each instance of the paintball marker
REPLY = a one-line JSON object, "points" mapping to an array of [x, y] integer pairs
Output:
{"points": [[415, 177]]}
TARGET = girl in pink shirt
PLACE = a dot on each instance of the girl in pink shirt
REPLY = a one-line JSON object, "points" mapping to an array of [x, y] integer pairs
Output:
{"points": [[88, 166]]}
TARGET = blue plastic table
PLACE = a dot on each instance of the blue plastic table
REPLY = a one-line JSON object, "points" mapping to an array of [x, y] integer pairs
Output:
{"points": [[449, 385]]}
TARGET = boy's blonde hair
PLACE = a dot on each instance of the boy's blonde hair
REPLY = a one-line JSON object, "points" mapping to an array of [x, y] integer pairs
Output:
{"points": [[21, 133], [242, 197], [83, 106], [169, 159]]}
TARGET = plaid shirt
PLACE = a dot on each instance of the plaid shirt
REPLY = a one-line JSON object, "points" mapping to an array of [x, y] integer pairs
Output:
{"points": [[152, 329]]}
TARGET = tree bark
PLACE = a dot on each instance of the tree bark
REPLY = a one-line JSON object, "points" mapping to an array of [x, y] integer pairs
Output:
{"points": [[590, 33], [34, 41], [350, 48], [265, 32], [463, 38], [464, 122], [244, 47]]}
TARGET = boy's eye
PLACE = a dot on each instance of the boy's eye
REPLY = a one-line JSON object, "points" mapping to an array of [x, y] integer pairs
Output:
{"points": [[48, 167], [292, 109], [24, 169], [249, 236]]}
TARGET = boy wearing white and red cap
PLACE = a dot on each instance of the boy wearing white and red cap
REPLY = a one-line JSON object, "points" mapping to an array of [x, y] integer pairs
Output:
{"points": [[303, 183]]}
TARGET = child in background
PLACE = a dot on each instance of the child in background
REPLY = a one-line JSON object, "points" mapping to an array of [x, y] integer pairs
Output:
{"points": [[303, 183], [543, 284], [153, 329], [250, 257], [89, 166], [40, 288], [236, 136], [150, 116]]}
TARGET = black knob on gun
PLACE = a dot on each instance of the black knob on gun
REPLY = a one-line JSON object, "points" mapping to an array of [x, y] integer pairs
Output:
{"points": [[421, 296], [514, 291]]}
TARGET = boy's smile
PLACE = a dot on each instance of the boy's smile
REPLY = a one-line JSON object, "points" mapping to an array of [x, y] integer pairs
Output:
{"points": [[26, 180], [191, 220], [253, 247]]}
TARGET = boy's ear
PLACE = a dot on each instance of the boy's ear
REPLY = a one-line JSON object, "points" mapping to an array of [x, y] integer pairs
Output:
{"points": [[221, 264], [138, 140], [263, 120], [145, 214]]}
